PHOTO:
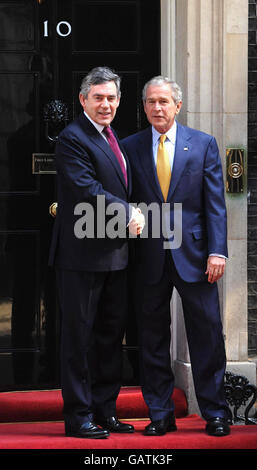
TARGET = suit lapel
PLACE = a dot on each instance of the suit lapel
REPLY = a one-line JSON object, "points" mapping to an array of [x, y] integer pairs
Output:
{"points": [[98, 140], [129, 177], [145, 151], [182, 152], [181, 155]]}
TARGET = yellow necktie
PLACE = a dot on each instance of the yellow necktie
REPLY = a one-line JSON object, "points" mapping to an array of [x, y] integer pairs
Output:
{"points": [[163, 167]]}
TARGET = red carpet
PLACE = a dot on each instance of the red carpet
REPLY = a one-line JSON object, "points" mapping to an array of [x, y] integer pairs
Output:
{"points": [[33, 420], [47, 405], [190, 435]]}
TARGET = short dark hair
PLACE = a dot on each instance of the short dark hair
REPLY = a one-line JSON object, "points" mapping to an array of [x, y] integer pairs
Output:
{"points": [[97, 76]]}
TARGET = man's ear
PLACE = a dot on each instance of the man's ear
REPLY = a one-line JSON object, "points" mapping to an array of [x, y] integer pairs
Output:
{"points": [[82, 100], [179, 106]]}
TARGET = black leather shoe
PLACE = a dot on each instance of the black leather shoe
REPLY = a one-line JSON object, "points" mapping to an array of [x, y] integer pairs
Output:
{"points": [[160, 427], [217, 427], [112, 424], [87, 430]]}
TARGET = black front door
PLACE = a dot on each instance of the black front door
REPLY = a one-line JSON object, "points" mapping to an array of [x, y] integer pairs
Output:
{"points": [[46, 47]]}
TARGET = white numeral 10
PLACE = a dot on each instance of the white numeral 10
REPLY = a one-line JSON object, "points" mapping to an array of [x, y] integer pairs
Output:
{"points": [[58, 28]]}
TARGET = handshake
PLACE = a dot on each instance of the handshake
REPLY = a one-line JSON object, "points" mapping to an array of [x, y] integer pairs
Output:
{"points": [[137, 222]]}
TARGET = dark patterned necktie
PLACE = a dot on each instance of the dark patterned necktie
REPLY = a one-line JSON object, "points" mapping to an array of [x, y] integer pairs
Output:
{"points": [[116, 150]]}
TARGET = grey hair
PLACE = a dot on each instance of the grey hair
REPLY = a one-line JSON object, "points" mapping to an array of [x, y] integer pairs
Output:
{"points": [[176, 91], [97, 76]]}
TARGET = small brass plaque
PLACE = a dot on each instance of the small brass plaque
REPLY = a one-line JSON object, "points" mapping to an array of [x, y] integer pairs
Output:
{"points": [[43, 164]]}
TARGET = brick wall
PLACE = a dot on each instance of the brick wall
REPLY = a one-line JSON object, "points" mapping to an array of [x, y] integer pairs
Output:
{"points": [[252, 179]]}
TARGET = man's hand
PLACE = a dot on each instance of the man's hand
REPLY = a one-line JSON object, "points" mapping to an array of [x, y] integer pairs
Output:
{"points": [[137, 222], [215, 268]]}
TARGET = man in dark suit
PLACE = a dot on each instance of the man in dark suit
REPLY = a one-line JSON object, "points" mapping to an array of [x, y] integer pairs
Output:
{"points": [[94, 181], [175, 165]]}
